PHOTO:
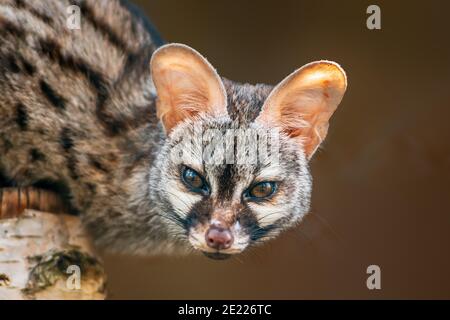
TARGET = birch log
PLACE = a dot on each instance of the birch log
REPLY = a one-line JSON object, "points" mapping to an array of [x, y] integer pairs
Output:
{"points": [[44, 253]]}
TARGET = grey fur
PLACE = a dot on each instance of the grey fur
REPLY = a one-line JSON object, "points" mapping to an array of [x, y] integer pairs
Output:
{"points": [[78, 107]]}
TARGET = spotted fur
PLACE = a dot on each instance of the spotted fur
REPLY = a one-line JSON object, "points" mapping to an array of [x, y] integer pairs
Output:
{"points": [[78, 112]]}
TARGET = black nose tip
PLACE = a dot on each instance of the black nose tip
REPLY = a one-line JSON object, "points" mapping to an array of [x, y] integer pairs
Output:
{"points": [[219, 238]]}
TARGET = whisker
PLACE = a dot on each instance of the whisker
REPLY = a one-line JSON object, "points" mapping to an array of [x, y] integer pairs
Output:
{"points": [[327, 225], [268, 215]]}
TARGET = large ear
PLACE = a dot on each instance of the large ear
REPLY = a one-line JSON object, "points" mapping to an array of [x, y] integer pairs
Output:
{"points": [[186, 85], [302, 104]]}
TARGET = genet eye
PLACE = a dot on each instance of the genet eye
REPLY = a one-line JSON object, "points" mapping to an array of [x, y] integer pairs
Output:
{"points": [[262, 190], [194, 181]]}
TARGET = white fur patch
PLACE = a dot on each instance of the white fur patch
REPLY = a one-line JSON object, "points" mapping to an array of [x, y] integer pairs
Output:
{"points": [[267, 214], [271, 172], [181, 200]]}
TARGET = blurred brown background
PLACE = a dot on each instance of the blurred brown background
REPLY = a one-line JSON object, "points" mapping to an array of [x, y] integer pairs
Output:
{"points": [[382, 181]]}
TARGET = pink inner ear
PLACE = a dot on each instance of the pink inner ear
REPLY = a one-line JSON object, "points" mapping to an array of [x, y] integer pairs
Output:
{"points": [[183, 96], [186, 85], [305, 116], [302, 104]]}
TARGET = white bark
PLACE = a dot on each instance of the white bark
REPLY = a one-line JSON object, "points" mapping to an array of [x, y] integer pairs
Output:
{"points": [[38, 249]]}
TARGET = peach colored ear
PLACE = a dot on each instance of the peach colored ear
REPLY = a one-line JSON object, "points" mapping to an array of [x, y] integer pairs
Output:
{"points": [[186, 85], [302, 104]]}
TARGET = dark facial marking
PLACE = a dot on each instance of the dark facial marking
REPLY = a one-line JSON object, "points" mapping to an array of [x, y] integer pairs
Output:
{"points": [[21, 116], [52, 96], [200, 212], [258, 232], [226, 183], [249, 222]]}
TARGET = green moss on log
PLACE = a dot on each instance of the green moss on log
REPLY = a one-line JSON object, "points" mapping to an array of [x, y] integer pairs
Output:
{"points": [[52, 266]]}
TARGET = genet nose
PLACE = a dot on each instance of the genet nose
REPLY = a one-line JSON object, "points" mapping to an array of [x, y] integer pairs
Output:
{"points": [[219, 238]]}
